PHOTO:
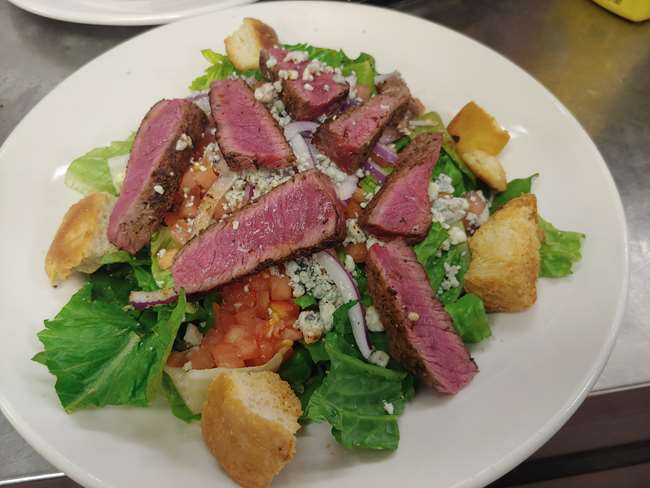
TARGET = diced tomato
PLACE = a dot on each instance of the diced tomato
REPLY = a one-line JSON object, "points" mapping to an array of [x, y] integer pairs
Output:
{"points": [[214, 336], [247, 347], [190, 205], [226, 356], [235, 334], [280, 288], [204, 177], [263, 302], [181, 231], [285, 310], [176, 359], [224, 320], [358, 252], [236, 293], [188, 182], [359, 195], [353, 210], [201, 359], [247, 317]]}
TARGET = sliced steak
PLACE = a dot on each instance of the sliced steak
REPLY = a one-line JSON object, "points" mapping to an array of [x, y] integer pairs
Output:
{"points": [[298, 217], [348, 139], [247, 133], [309, 96], [421, 336], [160, 156], [402, 206]]}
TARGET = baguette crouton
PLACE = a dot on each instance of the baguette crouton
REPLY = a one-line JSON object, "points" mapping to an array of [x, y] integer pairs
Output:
{"points": [[243, 46], [249, 422], [505, 257], [81, 241], [473, 128], [487, 168]]}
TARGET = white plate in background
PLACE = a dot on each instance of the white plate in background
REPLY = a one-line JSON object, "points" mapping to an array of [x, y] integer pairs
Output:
{"points": [[123, 12], [536, 369]]}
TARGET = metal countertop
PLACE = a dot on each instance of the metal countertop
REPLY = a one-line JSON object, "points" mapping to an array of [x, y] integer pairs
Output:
{"points": [[597, 64]]}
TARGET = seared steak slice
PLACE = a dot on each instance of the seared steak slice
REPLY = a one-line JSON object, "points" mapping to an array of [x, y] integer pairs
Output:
{"points": [[246, 132], [160, 156], [402, 207], [307, 97], [348, 139], [421, 336], [298, 217]]}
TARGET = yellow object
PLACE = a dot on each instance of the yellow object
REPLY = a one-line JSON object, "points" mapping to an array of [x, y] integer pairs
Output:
{"points": [[636, 10]]}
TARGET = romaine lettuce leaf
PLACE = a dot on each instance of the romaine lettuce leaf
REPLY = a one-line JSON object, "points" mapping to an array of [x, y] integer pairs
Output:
{"points": [[469, 318], [162, 239], [427, 248], [305, 301], [353, 395], [220, 69], [515, 188], [176, 402], [363, 65], [447, 166], [101, 355], [559, 251], [437, 126], [91, 172]]}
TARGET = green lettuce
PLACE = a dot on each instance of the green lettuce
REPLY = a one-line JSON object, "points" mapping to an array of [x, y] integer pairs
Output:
{"points": [[162, 239], [427, 248], [436, 126], [102, 355], [91, 172], [305, 301], [353, 395], [515, 188], [469, 318], [433, 259], [559, 250], [363, 66], [220, 69], [447, 166], [176, 402]]}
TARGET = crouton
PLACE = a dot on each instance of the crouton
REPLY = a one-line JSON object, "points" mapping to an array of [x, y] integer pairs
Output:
{"points": [[473, 128], [249, 423], [505, 257], [243, 46], [81, 241], [486, 168]]}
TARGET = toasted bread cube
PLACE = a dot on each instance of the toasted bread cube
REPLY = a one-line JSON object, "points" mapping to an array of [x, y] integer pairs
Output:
{"points": [[81, 241], [473, 128], [505, 257], [243, 46], [249, 423], [486, 168]]}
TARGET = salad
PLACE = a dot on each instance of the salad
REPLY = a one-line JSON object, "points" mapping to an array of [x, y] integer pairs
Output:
{"points": [[297, 240]]}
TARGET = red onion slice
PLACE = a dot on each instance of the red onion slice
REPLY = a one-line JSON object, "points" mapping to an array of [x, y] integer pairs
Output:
{"points": [[385, 153], [349, 292], [301, 150], [146, 299], [389, 135], [297, 128], [375, 171]]}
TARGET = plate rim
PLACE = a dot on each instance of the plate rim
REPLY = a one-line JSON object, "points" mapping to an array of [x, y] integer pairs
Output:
{"points": [[123, 20], [516, 455]]}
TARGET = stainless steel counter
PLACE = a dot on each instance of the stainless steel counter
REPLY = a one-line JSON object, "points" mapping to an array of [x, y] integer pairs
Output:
{"points": [[597, 64]]}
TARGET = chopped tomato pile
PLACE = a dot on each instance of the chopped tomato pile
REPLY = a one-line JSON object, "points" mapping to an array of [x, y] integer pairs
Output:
{"points": [[252, 324], [195, 183]]}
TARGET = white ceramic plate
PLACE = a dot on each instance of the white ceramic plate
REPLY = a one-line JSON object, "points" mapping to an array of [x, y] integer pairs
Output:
{"points": [[123, 12], [536, 369]]}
